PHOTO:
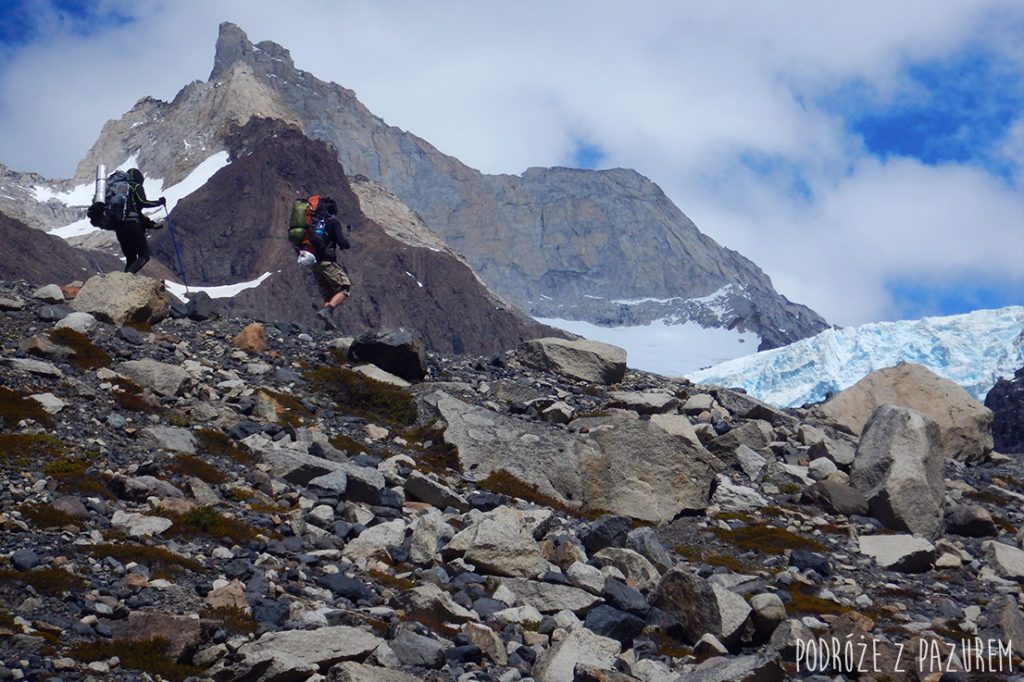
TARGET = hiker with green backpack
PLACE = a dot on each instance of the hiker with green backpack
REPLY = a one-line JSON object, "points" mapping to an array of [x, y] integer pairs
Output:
{"points": [[317, 234]]}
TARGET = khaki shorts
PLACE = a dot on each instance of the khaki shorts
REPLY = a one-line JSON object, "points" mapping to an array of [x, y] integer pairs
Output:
{"points": [[331, 279]]}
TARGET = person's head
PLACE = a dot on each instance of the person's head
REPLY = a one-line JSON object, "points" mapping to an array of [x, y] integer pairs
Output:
{"points": [[329, 205], [135, 175]]}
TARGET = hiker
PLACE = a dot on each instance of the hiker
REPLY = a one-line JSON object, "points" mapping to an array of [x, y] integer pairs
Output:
{"points": [[131, 228], [332, 281]]}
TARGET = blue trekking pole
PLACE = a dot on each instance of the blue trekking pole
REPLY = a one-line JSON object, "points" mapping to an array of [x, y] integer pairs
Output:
{"points": [[174, 241]]}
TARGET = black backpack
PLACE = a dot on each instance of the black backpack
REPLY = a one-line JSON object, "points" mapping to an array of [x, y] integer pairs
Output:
{"points": [[117, 198]]}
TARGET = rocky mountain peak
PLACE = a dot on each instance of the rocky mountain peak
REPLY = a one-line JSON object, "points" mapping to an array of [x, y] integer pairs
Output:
{"points": [[233, 46], [200, 115]]}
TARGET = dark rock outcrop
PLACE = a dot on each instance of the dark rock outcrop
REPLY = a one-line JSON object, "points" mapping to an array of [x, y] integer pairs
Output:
{"points": [[1006, 400], [230, 230]]}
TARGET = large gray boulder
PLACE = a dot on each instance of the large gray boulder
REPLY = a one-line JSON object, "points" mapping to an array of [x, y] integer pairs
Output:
{"points": [[899, 469], [499, 543], [119, 298], [162, 378], [627, 467], [966, 424], [294, 654], [593, 361]]}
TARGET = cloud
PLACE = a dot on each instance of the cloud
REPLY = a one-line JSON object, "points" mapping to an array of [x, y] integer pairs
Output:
{"points": [[745, 113]]}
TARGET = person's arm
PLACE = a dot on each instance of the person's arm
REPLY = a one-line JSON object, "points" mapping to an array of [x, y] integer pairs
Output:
{"points": [[337, 233], [142, 202]]}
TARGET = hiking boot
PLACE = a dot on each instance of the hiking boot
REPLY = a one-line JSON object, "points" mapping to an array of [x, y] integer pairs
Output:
{"points": [[325, 315]]}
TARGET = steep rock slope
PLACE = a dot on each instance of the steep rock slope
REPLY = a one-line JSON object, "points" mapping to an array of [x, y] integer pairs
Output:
{"points": [[605, 246], [40, 258], [231, 230]]}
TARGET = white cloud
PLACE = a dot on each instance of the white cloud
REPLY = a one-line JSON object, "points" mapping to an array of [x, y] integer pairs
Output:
{"points": [[679, 91]]}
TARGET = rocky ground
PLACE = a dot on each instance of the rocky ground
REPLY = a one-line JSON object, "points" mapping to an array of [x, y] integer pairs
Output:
{"points": [[204, 498]]}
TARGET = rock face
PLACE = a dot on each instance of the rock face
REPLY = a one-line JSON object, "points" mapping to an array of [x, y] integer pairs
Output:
{"points": [[1006, 400], [966, 425], [899, 469], [40, 258], [555, 242], [270, 513], [394, 284]]}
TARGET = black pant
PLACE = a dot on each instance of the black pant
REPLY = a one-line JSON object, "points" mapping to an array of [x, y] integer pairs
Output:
{"points": [[131, 235]]}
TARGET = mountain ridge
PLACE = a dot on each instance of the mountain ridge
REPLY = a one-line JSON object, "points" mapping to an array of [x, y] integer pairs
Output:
{"points": [[556, 242]]}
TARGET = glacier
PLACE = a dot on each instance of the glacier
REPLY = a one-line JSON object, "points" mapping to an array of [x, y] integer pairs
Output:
{"points": [[972, 350]]}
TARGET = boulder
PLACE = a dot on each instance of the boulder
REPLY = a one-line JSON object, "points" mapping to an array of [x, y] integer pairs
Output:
{"points": [[295, 654], [252, 339], [899, 469], [160, 377], [965, 424], [1006, 560], [1006, 400], [899, 552], [835, 497], [431, 602], [626, 467], [398, 351], [700, 606], [550, 597], [593, 361], [580, 647], [118, 298], [498, 543]]}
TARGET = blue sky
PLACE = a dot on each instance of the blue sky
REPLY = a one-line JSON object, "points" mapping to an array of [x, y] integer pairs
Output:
{"points": [[868, 157]]}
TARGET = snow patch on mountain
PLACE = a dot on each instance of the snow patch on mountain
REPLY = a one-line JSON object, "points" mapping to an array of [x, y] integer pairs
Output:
{"points": [[82, 195], [222, 291], [666, 348], [973, 350]]}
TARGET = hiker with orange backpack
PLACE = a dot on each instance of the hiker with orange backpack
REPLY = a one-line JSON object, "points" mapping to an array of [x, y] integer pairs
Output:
{"points": [[317, 235]]}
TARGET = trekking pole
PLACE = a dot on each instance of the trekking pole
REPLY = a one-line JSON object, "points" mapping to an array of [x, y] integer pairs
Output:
{"points": [[167, 216]]}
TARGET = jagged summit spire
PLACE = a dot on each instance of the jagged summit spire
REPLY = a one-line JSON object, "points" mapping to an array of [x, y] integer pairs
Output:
{"points": [[233, 46]]}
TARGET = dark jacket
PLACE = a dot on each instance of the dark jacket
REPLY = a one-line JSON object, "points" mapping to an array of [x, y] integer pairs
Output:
{"points": [[336, 239], [137, 198]]}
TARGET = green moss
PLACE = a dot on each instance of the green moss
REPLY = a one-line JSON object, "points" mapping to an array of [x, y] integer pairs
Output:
{"points": [[428, 440], [391, 580], [131, 397], [1005, 525], [77, 475], [349, 445], [362, 396], [666, 645], [8, 623], [698, 556], [187, 465], [44, 516], [503, 482], [85, 353], [233, 619], [27, 451], [802, 601], [161, 562], [14, 407], [53, 582], [293, 411], [218, 444], [767, 539], [149, 656], [209, 522], [175, 419]]}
